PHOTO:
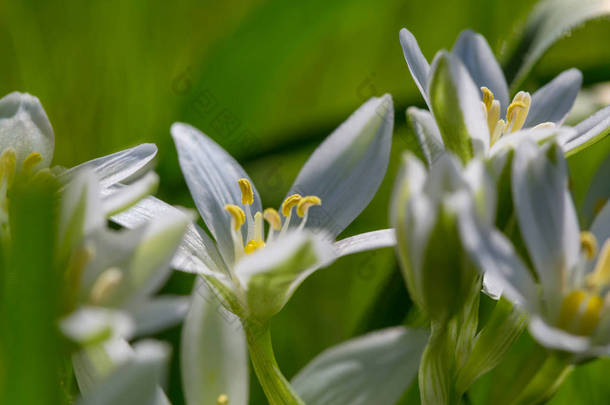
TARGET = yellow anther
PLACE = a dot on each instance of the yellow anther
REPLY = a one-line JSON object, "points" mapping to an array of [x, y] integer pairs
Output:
{"points": [[222, 399], [31, 161], [307, 202], [253, 246], [591, 315], [601, 274], [8, 164], [570, 307], [517, 111], [247, 196], [105, 285], [237, 214], [289, 203], [545, 125], [488, 97], [588, 244], [273, 218]]}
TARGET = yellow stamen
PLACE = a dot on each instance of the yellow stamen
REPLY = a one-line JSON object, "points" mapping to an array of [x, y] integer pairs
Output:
{"points": [[105, 285], [488, 97], [517, 111], [493, 116], [273, 218], [289, 203], [570, 308], [601, 274], [247, 196], [237, 214], [253, 246], [545, 125], [8, 165], [222, 399], [307, 202], [31, 161], [590, 318], [588, 244]]}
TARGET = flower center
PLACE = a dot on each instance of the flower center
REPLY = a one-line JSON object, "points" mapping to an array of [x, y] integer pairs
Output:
{"points": [[516, 113], [582, 308], [254, 223]]}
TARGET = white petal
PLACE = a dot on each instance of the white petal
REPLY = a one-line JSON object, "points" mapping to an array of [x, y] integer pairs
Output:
{"points": [[211, 175], [24, 126], [552, 102], [121, 166], [558, 339], [537, 135], [119, 198], [155, 315], [546, 216], [134, 381], [366, 241], [418, 65], [376, 368], [592, 130], [456, 105], [427, 133], [346, 170], [214, 358], [196, 253], [93, 324], [271, 275], [504, 272], [476, 55]]}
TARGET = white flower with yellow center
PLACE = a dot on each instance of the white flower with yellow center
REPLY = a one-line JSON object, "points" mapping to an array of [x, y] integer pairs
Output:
{"points": [[459, 81], [566, 290]]}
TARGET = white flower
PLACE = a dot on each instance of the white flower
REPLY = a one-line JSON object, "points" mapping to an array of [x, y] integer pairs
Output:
{"points": [[565, 290], [468, 124], [255, 271]]}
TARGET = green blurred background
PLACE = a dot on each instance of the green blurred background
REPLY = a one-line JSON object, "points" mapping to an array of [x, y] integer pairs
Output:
{"points": [[268, 80]]}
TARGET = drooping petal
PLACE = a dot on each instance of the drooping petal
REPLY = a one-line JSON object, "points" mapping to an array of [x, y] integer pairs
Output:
{"points": [[592, 130], [376, 368], [121, 166], [505, 274], [427, 132], [135, 380], [418, 65], [552, 102], [197, 253], [546, 216], [211, 175], [214, 358], [366, 241], [456, 105], [476, 55], [271, 275], [155, 315], [24, 126], [346, 170]]}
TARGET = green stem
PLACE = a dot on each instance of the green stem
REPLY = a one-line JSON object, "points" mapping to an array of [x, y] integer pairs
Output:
{"points": [[276, 387], [547, 381]]}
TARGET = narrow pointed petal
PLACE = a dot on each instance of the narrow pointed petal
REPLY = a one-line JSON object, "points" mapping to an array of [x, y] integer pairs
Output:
{"points": [[211, 175], [134, 381], [456, 106], [376, 368], [155, 315], [197, 253], [346, 170], [24, 126], [129, 195], [427, 132], [545, 214], [476, 55], [553, 102], [122, 166], [588, 132], [214, 358], [271, 275], [418, 65], [366, 241]]}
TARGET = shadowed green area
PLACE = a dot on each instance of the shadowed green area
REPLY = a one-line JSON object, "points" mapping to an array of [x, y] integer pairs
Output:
{"points": [[268, 80]]}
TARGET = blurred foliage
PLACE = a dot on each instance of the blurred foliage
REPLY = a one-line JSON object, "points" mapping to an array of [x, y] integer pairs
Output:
{"points": [[267, 79]]}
